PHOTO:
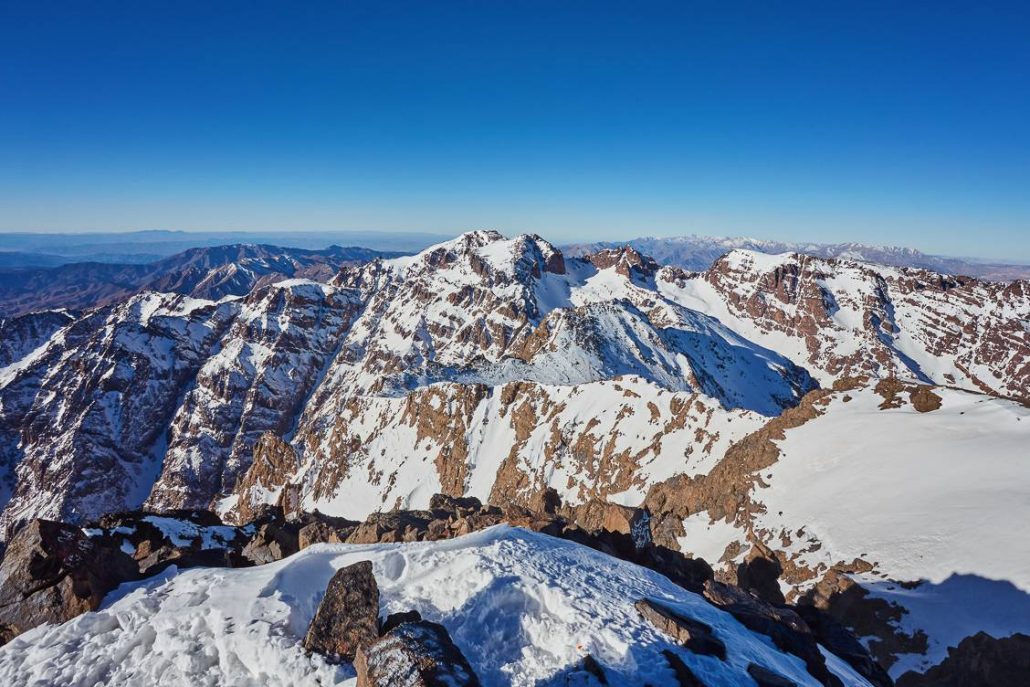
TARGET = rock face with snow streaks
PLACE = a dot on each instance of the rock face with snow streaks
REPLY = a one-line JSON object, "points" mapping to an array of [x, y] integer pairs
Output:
{"points": [[91, 410], [482, 366], [269, 360], [843, 318]]}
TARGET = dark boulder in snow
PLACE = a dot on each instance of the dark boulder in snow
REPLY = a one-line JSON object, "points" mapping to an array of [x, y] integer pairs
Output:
{"points": [[689, 633], [597, 515], [414, 655], [455, 504], [759, 573], [186, 539], [52, 572], [321, 532], [348, 616]]}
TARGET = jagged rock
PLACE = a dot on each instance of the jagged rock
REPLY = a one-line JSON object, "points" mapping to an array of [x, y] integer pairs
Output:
{"points": [[291, 500], [273, 541], [392, 526], [978, 661], [396, 619], [690, 633], [546, 501], [627, 261], [784, 627], [455, 504], [348, 615], [52, 572], [767, 678], [596, 515], [850, 604], [186, 538], [274, 462], [843, 643], [689, 573], [684, 675], [519, 516], [417, 654], [321, 532]]}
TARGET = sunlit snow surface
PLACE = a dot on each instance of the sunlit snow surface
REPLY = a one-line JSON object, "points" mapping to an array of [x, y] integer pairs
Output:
{"points": [[941, 496], [523, 607]]}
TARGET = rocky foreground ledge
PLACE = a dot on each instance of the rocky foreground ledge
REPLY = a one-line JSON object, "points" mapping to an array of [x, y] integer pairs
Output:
{"points": [[53, 572]]}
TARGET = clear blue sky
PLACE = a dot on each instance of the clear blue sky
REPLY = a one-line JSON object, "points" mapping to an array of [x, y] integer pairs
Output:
{"points": [[893, 122]]}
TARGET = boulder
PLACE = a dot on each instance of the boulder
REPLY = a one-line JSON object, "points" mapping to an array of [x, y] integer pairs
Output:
{"points": [[319, 529], [348, 615], [392, 526], [689, 573], [759, 573], [597, 515], [419, 654], [273, 541], [52, 572], [691, 634], [546, 501]]}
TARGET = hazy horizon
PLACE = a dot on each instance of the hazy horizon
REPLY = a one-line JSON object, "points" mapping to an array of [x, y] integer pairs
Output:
{"points": [[413, 240]]}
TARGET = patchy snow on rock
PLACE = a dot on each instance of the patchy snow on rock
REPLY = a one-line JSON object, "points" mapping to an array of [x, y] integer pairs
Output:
{"points": [[524, 608]]}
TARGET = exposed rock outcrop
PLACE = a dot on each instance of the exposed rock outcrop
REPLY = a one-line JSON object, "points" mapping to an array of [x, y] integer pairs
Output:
{"points": [[692, 634], [348, 615], [414, 654], [52, 572]]}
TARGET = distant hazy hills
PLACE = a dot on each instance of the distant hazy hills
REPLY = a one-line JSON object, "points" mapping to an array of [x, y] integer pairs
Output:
{"points": [[31, 250], [207, 272], [697, 253]]}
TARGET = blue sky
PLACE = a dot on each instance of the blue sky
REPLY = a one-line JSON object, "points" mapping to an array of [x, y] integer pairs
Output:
{"points": [[888, 122]]}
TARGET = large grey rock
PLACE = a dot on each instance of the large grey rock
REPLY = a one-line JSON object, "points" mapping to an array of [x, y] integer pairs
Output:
{"points": [[348, 616]]}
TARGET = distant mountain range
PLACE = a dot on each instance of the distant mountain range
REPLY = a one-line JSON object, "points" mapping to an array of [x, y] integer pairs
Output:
{"points": [[208, 272], [697, 253], [33, 250]]}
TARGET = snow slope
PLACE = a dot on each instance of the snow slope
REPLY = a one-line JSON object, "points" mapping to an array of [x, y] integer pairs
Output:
{"points": [[938, 497], [925, 495], [523, 607]]}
